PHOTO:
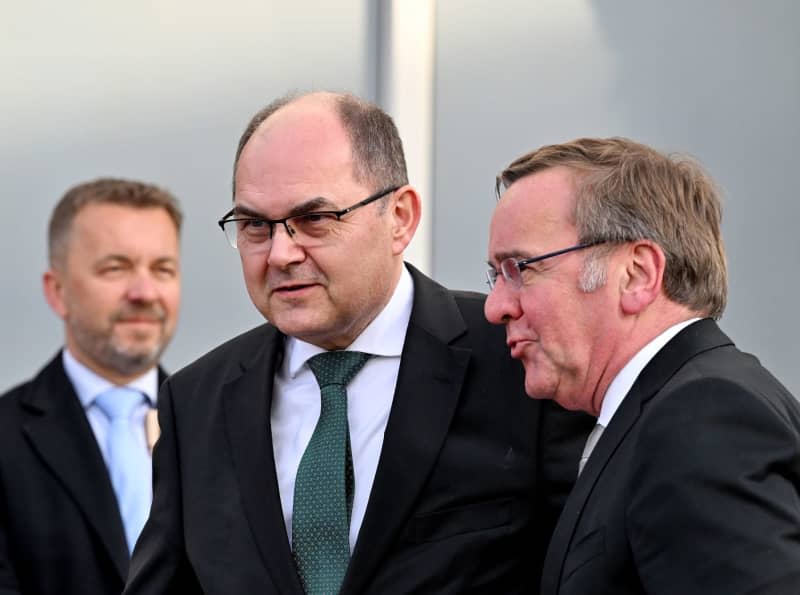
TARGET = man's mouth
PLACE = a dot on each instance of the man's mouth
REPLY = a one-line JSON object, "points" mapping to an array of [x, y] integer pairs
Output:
{"points": [[139, 320], [291, 288], [133, 316], [517, 346]]}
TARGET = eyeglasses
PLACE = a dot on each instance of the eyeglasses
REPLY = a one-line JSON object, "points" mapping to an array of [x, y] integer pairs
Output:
{"points": [[306, 229], [511, 268]]}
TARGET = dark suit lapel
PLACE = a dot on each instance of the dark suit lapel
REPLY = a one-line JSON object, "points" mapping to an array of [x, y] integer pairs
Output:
{"points": [[692, 340], [428, 387], [247, 404], [612, 437], [59, 431]]}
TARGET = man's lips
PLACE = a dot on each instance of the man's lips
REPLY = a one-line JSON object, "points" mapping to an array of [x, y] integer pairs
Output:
{"points": [[291, 288], [517, 346], [139, 320]]}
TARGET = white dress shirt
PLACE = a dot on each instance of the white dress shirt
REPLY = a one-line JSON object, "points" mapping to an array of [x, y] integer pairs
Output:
{"points": [[625, 378], [89, 385], [296, 403]]}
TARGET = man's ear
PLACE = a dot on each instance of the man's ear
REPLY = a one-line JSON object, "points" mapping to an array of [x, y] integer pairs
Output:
{"points": [[406, 211], [54, 292], [644, 274]]}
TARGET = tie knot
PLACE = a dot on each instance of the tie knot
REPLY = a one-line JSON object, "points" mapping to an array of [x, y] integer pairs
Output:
{"points": [[337, 367], [119, 402]]}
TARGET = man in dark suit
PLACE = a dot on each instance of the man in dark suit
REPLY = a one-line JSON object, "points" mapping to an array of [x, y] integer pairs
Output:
{"points": [[75, 485], [608, 272], [440, 476]]}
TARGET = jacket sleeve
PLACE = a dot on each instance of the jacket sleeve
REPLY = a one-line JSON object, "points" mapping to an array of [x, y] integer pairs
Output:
{"points": [[8, 578], [714, 505], [159, 563]]}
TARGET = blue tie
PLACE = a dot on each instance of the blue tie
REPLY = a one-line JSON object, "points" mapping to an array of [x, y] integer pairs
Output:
{"points": [[128, 460]]}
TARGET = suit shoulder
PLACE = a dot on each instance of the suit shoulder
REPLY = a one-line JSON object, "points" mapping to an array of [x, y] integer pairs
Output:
{"points": [[470, 304], [10, 400], [725, 376], [17, 394], [12, 417], [469, 299], [15, 391], [231, 353]]}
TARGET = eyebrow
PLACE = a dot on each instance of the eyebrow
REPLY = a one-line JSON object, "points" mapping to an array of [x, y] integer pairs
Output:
{"points": [[166, 260], [308, 206], [501, 256], [123, 259], [112, 258]]}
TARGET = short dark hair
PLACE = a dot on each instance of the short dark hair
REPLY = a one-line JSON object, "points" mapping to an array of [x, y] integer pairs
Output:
{"points": [[627, 191], [378, 157], [115, 191]]}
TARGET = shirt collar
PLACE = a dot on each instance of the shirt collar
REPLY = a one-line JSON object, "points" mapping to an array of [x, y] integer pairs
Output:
{"points": [[384, 336], [625, 378], [88, 384]]}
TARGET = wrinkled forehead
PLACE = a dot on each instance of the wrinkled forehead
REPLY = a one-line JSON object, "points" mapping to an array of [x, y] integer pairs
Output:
{"points": [[534, 209], [294, 159], [101, 228], [305, 134]]}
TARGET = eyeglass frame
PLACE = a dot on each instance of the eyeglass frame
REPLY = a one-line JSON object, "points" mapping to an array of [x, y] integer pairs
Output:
{"points": [[291, 232], [492, 273]]}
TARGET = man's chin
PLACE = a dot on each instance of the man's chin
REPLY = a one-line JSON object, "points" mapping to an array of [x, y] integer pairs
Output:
{"points": [[135, 358]]}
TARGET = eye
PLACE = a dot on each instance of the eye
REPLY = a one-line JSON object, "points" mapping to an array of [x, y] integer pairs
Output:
{"points": [[254, 229], [251, 224], [112, 268], [313, 218], [165, 272], [313, 224]]}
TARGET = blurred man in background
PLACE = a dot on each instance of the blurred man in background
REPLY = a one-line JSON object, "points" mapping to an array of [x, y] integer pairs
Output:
{"points": [[75, 468]]}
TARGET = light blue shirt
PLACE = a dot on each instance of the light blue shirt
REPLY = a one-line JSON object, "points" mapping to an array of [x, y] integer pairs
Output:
{"points": [[88, 385]]}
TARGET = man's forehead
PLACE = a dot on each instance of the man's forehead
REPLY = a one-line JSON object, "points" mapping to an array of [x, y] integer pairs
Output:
{"points": [[293, 144], [530, 218], [545, 197], [110, 223], [307, 118]]}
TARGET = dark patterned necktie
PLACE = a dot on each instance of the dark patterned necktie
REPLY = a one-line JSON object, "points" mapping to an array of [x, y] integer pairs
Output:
{"points": [[323, 491]]}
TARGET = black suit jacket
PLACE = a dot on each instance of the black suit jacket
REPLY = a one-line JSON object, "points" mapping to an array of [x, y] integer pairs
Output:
{"points": [[60, 528], [694, 487], [457, 505]]}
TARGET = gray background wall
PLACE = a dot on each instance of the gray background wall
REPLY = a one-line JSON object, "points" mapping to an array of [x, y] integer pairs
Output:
{"points": [[162, 90], [718, 79], [159, 91]]}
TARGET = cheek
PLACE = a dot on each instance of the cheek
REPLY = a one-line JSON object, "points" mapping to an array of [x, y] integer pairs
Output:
{"points": [[88, 300], [533, 307], [253, 269], [171, 297]]}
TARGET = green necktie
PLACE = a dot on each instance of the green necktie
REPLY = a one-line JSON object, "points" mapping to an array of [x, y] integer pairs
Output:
{"points": [[323, 491]]}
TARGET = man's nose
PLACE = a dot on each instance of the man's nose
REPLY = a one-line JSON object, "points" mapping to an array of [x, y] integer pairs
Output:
{"points": [[284, 249], [142, 287], [503, 303]]}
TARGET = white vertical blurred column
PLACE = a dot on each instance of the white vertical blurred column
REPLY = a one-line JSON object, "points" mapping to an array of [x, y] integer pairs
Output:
{"points": [[405, 90]]}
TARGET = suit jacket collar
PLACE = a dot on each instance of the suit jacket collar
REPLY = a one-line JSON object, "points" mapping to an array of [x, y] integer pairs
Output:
{"points": [[690, 342], [57, 428], [247, 402], [429, 382]]}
